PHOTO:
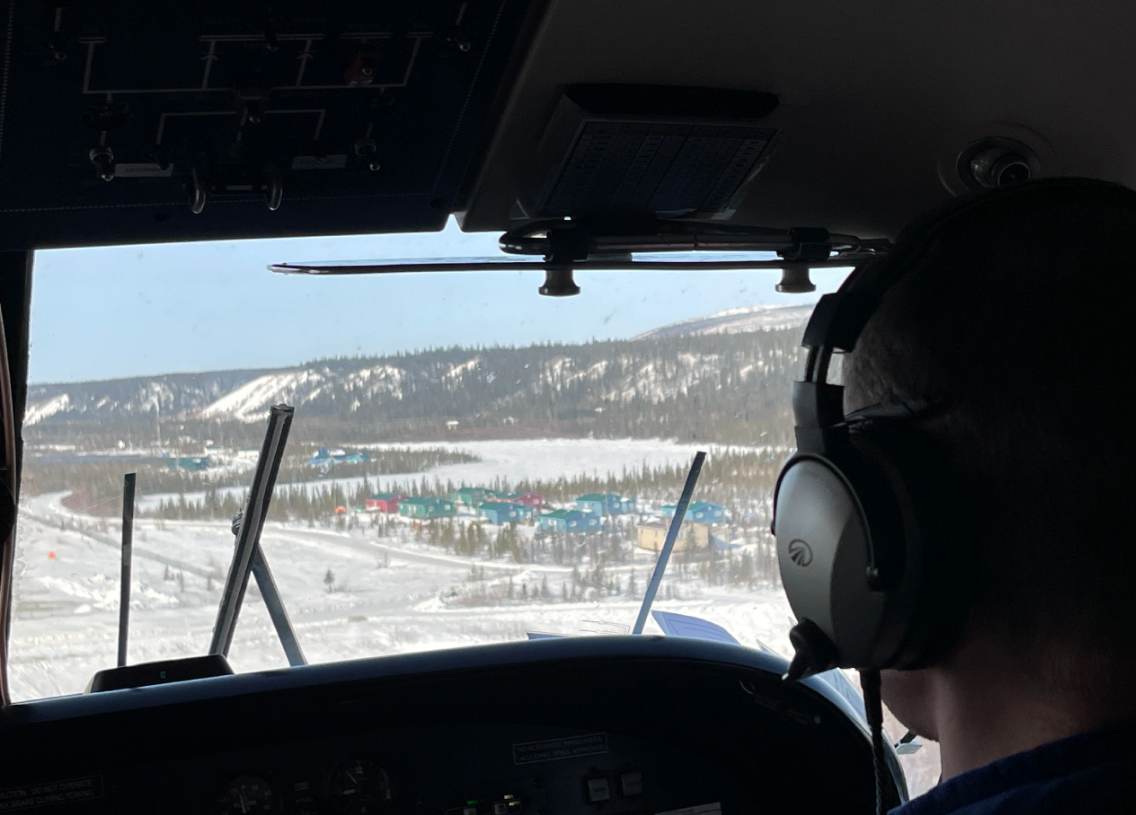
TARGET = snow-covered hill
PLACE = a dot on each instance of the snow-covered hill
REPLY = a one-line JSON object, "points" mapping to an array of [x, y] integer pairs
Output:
{"points": [[168, 395], [250, 402], [735, 321], [731, 367]]}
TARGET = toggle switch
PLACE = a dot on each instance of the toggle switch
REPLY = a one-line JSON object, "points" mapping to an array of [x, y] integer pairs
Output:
{"points": [[598, 790], [631, 783]]}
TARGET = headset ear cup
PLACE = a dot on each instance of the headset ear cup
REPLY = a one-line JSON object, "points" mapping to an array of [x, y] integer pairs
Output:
{"points": [[927, 597], [881, 494], [822, 548]]}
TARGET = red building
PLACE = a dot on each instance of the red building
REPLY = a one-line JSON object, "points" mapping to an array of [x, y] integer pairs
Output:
{"points": [[385, 502], [528, 499]]}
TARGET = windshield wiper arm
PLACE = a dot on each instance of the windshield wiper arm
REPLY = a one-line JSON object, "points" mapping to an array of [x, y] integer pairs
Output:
{"points": [[248, 557], [280, 621], [668, 544]]}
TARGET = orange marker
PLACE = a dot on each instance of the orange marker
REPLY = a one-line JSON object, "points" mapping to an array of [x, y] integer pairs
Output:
{"points": [[51, 555]]}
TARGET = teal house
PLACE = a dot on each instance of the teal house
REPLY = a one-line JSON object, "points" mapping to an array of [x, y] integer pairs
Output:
{"points": [[569, 520], [194, 464], [704, 512], [605, 503], [469, 496], [423, 508], [502, 512]]}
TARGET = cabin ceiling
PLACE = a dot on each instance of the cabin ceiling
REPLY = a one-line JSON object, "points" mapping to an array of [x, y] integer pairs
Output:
{"points": [[875, 103], [877, 100]]}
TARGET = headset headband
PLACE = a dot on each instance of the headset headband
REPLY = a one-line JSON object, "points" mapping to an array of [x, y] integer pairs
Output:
{"points": [[839, 319]]}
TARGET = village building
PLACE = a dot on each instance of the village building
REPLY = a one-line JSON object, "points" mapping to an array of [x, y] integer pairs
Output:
{"points": [[470, 496], [424, 508], [569, 520], [194, 464], [528, 499], [605, 503], [651, 535], [502, 512], [702, 511], [325, 458], [385, 502]]}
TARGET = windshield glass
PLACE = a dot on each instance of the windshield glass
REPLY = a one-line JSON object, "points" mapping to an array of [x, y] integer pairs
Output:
{"points": [[469, 462]]}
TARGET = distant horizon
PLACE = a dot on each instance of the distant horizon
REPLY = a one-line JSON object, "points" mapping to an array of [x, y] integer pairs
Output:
{"points": [[132, 312]]}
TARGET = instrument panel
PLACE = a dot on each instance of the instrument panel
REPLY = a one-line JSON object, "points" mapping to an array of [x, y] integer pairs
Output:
{"points": [[470, 769], [603, 726]]}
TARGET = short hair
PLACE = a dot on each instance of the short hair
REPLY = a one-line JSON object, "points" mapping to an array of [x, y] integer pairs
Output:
{"points": [[1018, 320]]}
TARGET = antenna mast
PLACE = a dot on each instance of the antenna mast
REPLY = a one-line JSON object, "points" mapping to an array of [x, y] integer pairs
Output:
{"points": [[668, 544], [127, 553]]}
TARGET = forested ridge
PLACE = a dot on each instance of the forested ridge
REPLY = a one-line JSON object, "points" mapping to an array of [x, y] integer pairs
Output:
{"points": [[725, 388]]}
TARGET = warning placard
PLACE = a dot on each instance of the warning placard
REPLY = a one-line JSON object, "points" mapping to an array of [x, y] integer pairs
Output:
{"points": [[555, 749], [53, 793]]}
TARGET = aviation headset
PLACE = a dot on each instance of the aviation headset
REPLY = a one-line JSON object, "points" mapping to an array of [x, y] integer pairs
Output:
{"points": [[858, 509]]}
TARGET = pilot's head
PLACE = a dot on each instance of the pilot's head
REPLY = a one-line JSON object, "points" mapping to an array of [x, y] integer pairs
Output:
{"points": [[1017, 323]]}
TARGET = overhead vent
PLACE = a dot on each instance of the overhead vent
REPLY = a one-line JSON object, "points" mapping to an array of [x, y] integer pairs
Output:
{"points": [[670, 151]]}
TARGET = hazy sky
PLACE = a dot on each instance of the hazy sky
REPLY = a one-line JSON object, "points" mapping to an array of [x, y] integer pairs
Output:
{"points": [[145, 310]]}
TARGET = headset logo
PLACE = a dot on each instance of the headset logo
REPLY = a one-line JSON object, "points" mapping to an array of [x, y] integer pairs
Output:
{"points": [[800, 552]]}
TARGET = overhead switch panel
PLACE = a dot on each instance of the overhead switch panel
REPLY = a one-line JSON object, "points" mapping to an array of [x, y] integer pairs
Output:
{"points": [[220, 119]]}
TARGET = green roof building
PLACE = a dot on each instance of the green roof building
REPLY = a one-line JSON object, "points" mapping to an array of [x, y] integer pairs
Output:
{"points": [[470, 496], [605, 503], [569, 520], [502, 512], [425, 508], [705, 512]]}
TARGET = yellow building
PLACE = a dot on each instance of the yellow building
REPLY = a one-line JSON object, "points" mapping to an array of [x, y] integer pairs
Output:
{"points": [[651, 535]]}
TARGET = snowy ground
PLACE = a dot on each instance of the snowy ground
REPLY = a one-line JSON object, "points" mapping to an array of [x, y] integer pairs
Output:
{"points": [[389, 596], [516, 460]]}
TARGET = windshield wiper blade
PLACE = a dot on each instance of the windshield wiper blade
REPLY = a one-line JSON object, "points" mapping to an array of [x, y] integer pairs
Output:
{"points": [[247, 556], [668, 544]]}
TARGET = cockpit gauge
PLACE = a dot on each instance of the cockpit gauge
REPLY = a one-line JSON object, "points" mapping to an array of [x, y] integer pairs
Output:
{"points": [[246, 795], [359, 788], [304, 798]]}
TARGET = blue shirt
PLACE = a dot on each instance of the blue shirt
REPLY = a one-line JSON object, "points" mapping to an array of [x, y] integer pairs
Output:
{"points": [[1093, 772]]}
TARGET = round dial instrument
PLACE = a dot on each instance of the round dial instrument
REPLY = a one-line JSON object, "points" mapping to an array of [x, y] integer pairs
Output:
{"points": [[246, 795], [359, 788]]}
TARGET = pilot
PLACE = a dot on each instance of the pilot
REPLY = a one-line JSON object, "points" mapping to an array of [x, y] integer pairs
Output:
{"points": [[1014, 325]]}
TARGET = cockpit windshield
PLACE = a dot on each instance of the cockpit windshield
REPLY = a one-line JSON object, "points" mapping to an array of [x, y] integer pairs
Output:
{"points": [[469, 462]]}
